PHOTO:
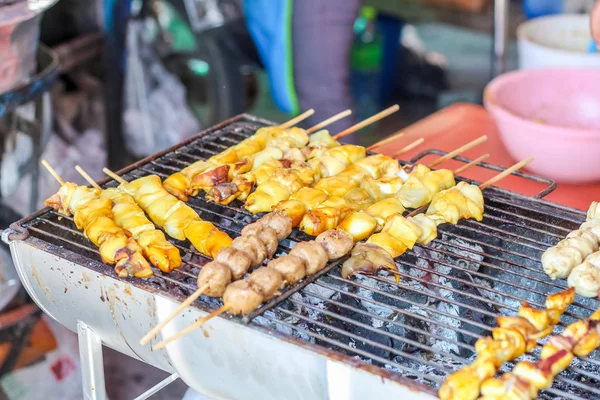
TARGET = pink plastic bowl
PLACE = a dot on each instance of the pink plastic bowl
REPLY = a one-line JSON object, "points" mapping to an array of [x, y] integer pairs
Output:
{"points": [[552, 115]]}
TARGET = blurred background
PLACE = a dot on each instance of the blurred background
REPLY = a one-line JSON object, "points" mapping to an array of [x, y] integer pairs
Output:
{"points": [[107, 82]]}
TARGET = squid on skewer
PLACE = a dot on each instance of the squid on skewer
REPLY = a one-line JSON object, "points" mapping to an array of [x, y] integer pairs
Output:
{"points": [[129, 216], [399, 233], [95, 217], [177, 219], [235, 160], [527, 378], [513, 337]]}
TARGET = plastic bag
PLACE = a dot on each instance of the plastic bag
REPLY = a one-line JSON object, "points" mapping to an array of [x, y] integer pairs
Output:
{"points": [[156, 113]]}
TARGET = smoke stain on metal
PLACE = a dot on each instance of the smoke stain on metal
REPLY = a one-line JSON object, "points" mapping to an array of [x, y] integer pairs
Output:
{"points": [[44, 288]]}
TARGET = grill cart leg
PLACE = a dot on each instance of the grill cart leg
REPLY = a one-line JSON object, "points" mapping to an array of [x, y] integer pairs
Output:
{"points": [[92, 367], [157, 387]]}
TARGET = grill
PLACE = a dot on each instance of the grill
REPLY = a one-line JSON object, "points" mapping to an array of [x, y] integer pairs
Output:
{"points": [[326, 336]]}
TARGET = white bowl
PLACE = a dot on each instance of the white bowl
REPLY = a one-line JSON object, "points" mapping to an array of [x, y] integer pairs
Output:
{"points": [[557, 41]]}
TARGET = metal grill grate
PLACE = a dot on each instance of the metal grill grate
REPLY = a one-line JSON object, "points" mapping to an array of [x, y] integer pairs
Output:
{"points": [[423, 327]]}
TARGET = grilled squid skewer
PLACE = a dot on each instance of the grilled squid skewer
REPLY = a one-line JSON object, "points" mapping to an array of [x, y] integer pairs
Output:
{"points": [[94, 216], [235, 160], [527, 378], [177, 219], [399, 233], [513, 337], [129, 216]]}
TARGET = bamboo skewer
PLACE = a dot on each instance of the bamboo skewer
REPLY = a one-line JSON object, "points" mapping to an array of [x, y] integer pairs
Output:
{"points": [[53, 172], [192, 327], [387, 140], [469, 165], [87, 177], [170, 318], [408, 147], [297, 119], [461, 149], [329, 121], [114, 176], [505, 173], [368, 121]]}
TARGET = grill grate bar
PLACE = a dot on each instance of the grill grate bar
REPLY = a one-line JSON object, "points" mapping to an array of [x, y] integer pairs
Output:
{"points": [[389, 321], [370, 328], [409, 302], [495, 279], [356, 351]]}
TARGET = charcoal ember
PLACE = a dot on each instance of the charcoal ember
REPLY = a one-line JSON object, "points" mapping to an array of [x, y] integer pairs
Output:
{"points": [[272, 321], [359, 331], [504, 280], [414, 335], [321, 291], [498, 297]]}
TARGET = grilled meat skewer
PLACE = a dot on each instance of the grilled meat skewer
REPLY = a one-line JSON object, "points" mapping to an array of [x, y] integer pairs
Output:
{"points": [[513, 337], [95, 217], [526, 380]]}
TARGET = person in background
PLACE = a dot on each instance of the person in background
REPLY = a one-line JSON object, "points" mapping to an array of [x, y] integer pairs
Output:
{"points": [[596, 22], [305, 46]]}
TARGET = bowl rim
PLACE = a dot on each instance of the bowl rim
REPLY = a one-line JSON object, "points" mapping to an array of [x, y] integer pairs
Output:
{"points": [[491, 104], [523, 38]]}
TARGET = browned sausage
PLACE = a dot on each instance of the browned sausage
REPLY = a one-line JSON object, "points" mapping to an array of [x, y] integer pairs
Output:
{"points": [[217, 276], [279, 221], [252, 246], [337, 243], [241, 297], [266, 281], [290, 267], [314, 256], [238, 261]]}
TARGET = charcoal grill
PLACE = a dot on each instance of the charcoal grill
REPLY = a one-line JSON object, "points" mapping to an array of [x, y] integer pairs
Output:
{"points": [[326, 337]]}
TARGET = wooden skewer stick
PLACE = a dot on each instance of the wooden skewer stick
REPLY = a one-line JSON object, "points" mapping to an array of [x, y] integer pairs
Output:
{"points": [[297, 119], [170, 318], [387, 140], [87, 177], [195, 325], [368, 121], [461, 149], [505, 173], [53, 172], [469, 165], [113, 175], [408, 147], [329, 121]]}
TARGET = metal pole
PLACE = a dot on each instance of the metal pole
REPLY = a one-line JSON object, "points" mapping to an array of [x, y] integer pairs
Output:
{"points": [[168, 380], [92, 366], [500, 37]]}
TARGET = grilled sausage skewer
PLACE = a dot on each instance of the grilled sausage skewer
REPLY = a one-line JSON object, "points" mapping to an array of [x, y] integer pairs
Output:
{"points": [[258, 241], [129, 216], [513, 337], [526, 380], [94, 216]]}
